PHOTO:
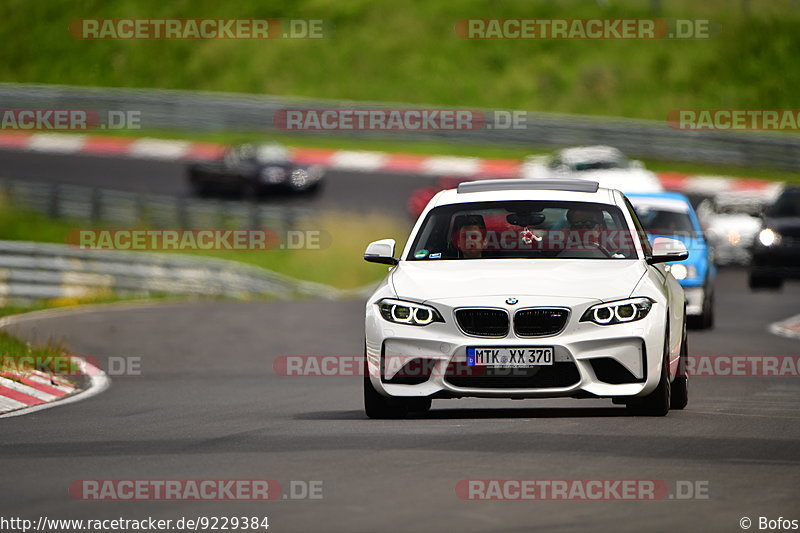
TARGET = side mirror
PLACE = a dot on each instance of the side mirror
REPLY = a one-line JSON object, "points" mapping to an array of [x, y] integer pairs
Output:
{"points": [[666, 250], [381, 252]]}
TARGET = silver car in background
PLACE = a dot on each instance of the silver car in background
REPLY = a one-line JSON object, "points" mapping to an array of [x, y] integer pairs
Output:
{"points": [[606, 165], [731, 220]]}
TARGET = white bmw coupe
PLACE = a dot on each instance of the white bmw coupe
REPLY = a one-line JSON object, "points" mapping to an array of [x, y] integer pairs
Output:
{"points": [[526, 289]]}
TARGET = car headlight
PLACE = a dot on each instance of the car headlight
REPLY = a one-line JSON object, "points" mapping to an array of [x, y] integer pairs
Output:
{"points": [[681, 272], [315, 172], [618, 312], [768, 237], [409, 313], [273, 175], [299, 178]]}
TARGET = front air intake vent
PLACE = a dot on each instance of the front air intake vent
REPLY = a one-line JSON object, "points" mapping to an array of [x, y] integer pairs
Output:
{"points": [[540, 322], [483, 322]]}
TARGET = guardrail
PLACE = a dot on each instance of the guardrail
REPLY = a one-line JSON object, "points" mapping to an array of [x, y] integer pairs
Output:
{"points": [[158, 211], [38, 271], [31, 271], [204, 111]]}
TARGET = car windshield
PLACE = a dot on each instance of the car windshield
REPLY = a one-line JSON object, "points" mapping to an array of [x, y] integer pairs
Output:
{"points": [[524, 229], [788, 205], [664, 222], [267, 153], [599, 165], [240, 154], [752, 209]]}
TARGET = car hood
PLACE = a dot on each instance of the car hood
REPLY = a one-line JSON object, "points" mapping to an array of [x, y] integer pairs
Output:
{"points": [[720, 227], [592, 279], [740, 222]]}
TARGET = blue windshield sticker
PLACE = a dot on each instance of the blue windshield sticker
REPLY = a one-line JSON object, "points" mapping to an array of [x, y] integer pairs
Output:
{"points": [[436, 256]]}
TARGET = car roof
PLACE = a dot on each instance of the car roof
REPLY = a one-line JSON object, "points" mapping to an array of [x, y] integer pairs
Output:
{"points": [[505, 190], [664, 200], [591, 153]]}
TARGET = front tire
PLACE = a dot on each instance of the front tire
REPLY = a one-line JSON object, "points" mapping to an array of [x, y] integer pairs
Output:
{"points": [[706, 319], [656, 403], [379, 406], [679, 395]]}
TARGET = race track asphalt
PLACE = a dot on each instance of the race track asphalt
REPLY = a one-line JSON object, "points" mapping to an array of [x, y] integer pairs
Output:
{"points": [[360, 191], [208, 405]]}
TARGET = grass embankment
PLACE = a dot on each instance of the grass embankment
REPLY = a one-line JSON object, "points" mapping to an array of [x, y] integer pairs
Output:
{"points": [[339, 263], [409, 52], [18, 357]]}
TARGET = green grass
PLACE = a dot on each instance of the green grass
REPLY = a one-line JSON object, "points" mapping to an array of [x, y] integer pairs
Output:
{"points": [[339, 263], [18, 356], [52, 303], [408, 52]]}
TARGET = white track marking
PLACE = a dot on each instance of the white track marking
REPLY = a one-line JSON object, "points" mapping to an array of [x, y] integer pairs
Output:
{"points": [[55, 142], [159, 149], [25, 389], [451, 165], [362, 161], [49, 383], [7, 404], [787, 328]]}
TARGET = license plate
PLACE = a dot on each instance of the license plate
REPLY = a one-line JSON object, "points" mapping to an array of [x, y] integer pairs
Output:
{"points": [[517, 357]]}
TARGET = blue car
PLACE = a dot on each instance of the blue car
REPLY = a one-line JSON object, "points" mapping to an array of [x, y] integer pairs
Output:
{"points": [[671, 215]]}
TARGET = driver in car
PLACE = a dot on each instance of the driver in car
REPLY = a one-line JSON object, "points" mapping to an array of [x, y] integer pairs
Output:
{"points": [[585, 228], [470, 236]]}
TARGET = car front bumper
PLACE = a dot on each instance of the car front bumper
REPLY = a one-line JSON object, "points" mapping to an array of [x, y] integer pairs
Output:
{"points": [[621, 360], [780, 261], [695, 300]]}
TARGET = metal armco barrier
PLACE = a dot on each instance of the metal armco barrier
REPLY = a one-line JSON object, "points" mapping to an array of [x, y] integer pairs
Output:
{"points": [[32, 271], [157, 211], [204, 111]]}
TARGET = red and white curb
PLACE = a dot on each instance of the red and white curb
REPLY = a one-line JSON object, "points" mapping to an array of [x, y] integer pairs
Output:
{"points": [[787, 328], [36, 388], [39, 390], [348, 160]]}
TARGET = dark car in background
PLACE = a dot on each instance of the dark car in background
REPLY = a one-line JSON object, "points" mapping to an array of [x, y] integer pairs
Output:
{"points": [[251, 170], [776, 250]]}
